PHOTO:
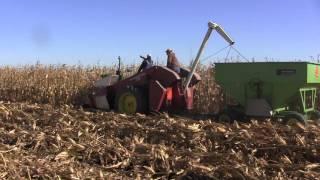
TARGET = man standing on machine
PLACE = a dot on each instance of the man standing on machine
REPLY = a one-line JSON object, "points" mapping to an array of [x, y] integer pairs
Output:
{"points": [[172, 61]]}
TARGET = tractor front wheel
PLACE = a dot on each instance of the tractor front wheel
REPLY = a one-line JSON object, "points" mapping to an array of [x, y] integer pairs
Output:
{"points": [[131, 101]]}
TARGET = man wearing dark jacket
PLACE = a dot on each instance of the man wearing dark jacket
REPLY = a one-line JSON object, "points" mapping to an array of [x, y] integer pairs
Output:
{"points": [[172, 61], [146, 63]]}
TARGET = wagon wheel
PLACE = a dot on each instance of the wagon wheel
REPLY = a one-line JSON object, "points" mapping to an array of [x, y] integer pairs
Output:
{"points": [[231, 113], [294, 118], [225, 117], [315, 116], [130, 101]]}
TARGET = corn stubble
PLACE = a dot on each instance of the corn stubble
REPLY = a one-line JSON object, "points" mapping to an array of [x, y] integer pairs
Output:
{"points": [[43, 136]]}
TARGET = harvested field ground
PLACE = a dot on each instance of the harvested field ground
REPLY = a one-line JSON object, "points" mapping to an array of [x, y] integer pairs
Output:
{"points": [[39, 141]]}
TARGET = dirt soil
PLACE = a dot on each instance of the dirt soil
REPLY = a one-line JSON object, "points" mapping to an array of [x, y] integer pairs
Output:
{"points": [[39, 141]]}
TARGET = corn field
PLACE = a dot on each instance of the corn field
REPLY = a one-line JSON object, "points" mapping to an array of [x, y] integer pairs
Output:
{"points": [[44, 136], [55, 85], [59, 85]]}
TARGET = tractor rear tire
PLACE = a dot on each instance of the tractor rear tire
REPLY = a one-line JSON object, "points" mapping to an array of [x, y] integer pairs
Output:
{"points": [[131, 101]]}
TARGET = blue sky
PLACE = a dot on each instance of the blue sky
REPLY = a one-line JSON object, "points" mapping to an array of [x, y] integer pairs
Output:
{"points": [[92, 31]]}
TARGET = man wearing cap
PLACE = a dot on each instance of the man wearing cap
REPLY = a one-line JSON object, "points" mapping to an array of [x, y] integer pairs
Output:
{"points": [[172, 61], [146, 63]]}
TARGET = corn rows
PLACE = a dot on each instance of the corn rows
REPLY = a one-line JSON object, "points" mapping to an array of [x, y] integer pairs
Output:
{"points": [[61, 84]]}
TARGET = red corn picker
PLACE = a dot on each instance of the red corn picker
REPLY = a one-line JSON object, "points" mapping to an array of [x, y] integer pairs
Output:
{"points": [[155, 89]]}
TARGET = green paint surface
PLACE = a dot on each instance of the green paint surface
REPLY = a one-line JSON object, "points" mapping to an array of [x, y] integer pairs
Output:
{"points": [[279, 81]]}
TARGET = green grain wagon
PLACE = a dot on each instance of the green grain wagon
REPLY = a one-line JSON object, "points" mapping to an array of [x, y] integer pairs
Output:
{"points": [[281, 90]]}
